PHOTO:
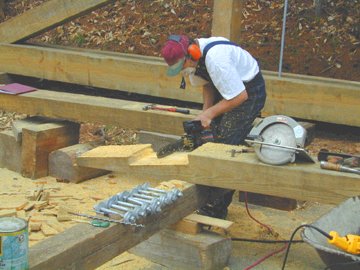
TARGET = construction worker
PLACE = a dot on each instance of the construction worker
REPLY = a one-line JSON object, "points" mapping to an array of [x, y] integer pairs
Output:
{"points": [[233, 91]]}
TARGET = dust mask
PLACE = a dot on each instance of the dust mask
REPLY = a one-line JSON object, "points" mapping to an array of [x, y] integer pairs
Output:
{"points": [[188, 71], [196, 80]]}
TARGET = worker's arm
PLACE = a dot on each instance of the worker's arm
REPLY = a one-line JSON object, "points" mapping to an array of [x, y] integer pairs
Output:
{"points": [[208, 96], [220, 108]]}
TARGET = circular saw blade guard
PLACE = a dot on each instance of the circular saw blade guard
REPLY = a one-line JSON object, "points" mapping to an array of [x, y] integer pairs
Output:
{"points": [[281, 136]]}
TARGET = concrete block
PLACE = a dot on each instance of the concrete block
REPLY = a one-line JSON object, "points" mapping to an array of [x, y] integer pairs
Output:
{"points": [[176, 250]]}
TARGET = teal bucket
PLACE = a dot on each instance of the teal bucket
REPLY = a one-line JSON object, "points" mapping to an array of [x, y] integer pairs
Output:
{"points": [[14, 244]]}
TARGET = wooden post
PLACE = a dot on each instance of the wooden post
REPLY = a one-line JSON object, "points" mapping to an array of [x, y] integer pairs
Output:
{"points": [[2, 6], [318, 7], [40, 140], [227, 19]]}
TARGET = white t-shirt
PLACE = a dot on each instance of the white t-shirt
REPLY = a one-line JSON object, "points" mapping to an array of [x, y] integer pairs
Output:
{"points": [[229, 67]]}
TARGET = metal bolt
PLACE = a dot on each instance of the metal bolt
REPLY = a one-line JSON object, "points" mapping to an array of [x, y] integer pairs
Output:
{"points": [[159, 200], [169, 197], [138, 211], [128, 217], [126, 197], [175, 190], [150, 206], [137, 208], [174, 193]]}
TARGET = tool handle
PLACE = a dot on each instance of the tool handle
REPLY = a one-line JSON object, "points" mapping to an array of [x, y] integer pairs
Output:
{"points": [[337, 167], [184, 111], [330, 166]]}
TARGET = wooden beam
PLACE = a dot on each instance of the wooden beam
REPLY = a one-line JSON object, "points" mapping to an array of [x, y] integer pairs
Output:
{"points": [[82, 108], [298, 96], [63, 166], [87, 247], [137, 74], [313, 98], [118, 157], [45, 17], [227, 19], [212, 165], [38, 141], [301, 181], [177, 250]]}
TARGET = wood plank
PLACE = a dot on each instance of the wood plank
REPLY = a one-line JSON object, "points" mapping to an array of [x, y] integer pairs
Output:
{"points": [[227, 19], [113, 156], [219, 223], [44, 17], [76, 107], [306, 97], [87, 247], [120, 157], [186, 226]]}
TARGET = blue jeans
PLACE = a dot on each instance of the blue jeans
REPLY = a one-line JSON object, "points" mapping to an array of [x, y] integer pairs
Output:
{"points": [[235, 125]]}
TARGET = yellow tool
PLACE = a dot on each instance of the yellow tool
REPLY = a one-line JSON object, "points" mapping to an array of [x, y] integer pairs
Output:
{"points": [[349, 243]]}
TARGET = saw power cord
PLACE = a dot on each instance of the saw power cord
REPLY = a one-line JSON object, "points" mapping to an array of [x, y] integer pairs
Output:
{"points": [[293, 235], [262, 241], [248, 212], [266, 257], [349, 243], [334, 239]]}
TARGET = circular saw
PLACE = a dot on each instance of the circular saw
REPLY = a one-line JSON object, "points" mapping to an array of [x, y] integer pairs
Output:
{"points": [[277, 139]]}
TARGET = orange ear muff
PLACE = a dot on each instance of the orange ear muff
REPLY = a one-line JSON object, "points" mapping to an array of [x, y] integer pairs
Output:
{"points": [[194, 52]]}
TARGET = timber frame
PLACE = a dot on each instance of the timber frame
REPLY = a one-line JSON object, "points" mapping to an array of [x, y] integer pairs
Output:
{"points": [[298, 96]]}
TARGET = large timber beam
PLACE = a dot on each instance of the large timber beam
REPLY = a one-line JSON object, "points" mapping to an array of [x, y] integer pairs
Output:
{"points": [[212, 165], [86, 247], [45, 17], [300, 96], [82, 108], [132, 73]]}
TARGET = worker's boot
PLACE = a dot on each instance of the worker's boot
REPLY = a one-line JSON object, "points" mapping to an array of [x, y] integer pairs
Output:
{"points": [[218, 208]]}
